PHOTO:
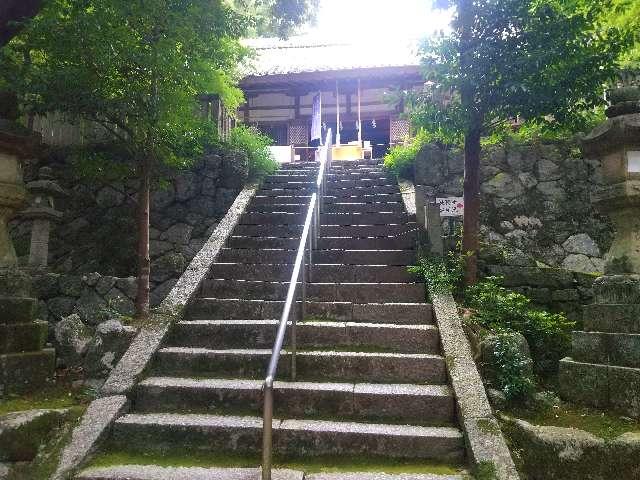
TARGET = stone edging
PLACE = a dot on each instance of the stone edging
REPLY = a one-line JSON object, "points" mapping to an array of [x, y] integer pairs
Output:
{"points": [[486, 445], [102, 412]]}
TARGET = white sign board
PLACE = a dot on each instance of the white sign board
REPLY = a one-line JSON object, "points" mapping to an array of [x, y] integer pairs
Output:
{"points": [[451, 206]]}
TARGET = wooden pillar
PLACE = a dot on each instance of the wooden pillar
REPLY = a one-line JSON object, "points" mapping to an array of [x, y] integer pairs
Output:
{"points": [[359, 115]]}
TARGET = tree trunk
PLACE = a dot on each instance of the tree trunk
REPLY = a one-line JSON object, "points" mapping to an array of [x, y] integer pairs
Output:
{"points": [[471, 226], [144, 261]]}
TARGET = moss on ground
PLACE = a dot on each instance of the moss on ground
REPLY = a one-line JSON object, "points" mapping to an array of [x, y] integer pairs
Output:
{"points": [[55, 396], [603, 424], [45, 463], [324, 464]]}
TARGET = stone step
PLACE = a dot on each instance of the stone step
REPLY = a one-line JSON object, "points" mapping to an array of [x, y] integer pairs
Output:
{"points": [[383, 476], [291, 176], [321, 273], [343, 257], [279, 207], [397, 313], [329, 243], [600, 385], [620, 349], [612, 318], [264, 219], [362, 182], [360, 173], [17, 309], [311, 365], [365, 218], [319, 292], [363, 198], [426, 404], [154, 472], [23, 337], [211, 433], [352, 207], [366, 231], [282, 231], [216, 334], [283, 199], [283, 190], [344, 191]]}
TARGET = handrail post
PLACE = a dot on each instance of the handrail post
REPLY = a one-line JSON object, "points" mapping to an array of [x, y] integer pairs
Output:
{"points": [[267, 430]]}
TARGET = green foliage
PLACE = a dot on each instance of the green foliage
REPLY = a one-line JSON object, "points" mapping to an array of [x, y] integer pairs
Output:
{"points": [[253, 144], [530, 59], [625, 14], [440, 274], [133, 68], [501, 310], [276, 17], [401, 158], [512, 367]]}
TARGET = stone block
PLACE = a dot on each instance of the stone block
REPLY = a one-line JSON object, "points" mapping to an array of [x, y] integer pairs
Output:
{"points": [[624, 390], [22, 433], [17, 309], [566, 295], [585, 383], [23, 372], [22, 337], [617, 289], [612, 318], [619, 349]]}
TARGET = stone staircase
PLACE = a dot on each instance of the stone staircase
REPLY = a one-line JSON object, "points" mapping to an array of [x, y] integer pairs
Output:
{"points": [[371, 381]]}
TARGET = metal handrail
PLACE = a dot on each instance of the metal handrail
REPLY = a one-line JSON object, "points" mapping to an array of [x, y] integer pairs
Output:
{"points": [[303, 270]]}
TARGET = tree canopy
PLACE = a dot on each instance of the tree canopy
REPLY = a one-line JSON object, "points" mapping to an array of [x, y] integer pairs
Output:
{"points": [[544, 60], [276, 17]]}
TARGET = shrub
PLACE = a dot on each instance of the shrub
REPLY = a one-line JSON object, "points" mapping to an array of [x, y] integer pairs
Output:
{"points": [[401, 158], [501, 310], [253, 143], [440, 274], [512, 368]]}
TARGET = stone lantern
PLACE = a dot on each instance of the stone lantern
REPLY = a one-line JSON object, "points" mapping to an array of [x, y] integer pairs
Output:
{"points": [[16, 144], [617, 144], [604, 367], [42, 211]]}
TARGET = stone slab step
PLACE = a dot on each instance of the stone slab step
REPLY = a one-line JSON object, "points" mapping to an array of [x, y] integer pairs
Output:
{"points": [[311, 365], [601, 386], [342, 257], [364, 207], [363, 197], [272, 219], [282, 231], [17, 309], [364, 181], [321, 292], [161, 432], [279, 207], [27, 371], [282, 199], [329, 243], [282, 190], [396, 313], [392, 218], [291, 176], [216, 334], [153, 472], [621, 349], [382, 476], [430, 404], [321, 273], [338, 191], [367, 231], [612, 318]]}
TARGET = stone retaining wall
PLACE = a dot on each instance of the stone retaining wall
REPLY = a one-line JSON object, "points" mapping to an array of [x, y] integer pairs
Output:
{"points": [[555, 289], [535, 202], [98, 230]]}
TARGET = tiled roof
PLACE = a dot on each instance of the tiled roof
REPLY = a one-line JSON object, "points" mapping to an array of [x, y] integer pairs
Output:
{"points": [[307, 54]]}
